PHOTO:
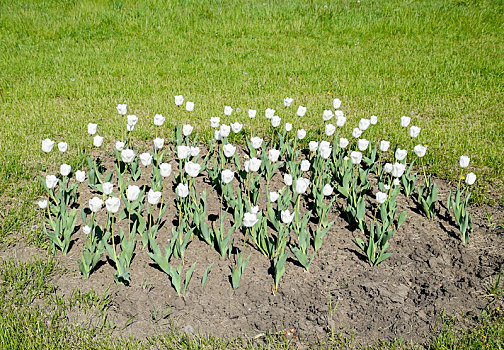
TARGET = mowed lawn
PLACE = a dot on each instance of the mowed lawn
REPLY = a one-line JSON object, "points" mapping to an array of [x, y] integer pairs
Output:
{"points": [[64, 64]]}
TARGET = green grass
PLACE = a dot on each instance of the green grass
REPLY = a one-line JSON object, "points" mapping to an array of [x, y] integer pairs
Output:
{"points": [[64, 64]]}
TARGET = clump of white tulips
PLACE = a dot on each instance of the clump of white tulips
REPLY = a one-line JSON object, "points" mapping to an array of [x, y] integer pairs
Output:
{"points": [[275, 196]]}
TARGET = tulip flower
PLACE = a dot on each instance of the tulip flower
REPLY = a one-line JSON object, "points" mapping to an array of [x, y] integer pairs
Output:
{"points": [[187, 129], [121, 109], [400, 154], [381, 197], [146, 159], [194, 151], [182, 190], [179, 100], [286, 216], [252, 113], [236, 127], [86, 229], [364, 124], [153, 197], [387, 167], [356, 133], [330, 129], [51, 181], [313, 146], [464, 161], [325, 149], [327, 114], [269, 113], [340, 119], [287, 101], [80, 176], [119, 145], [356, 157], [132, 193], [42, 203], [62, 146], [217, 135], [327, 190], [65, 169], [229, 150], [133, 119], [305, 165], [302, 185], [301, 133], [373, 120], [301, 111], [249, 219], [275, 121], [420, 150], [343, 142], [95, 204], [398, 169], [405, 121], [336, 103], [183, 152], [227, 176], [107, 188], [287, 179], [112, 204], [273, 196], [97, 141], [256, 142], [252, 165], [47, 145], [228, 110], [470, 178], [91, 128], [189, 106], [384, 146], [225, 130], [127, 155], [192, 169], [158, 143], [273, 155], [362, 144], [414, 131], [165, 169], [288, 127], [215, 122]]}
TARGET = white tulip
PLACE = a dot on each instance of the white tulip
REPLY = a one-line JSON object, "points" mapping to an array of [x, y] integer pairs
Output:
{"points": [[254, 209], [301, 111], [470, 178], [327, 190], [384, 146], [249, 219], [269, 113], [414, 131], [47, 145], [420, 150], [145, 159], [356, 133], [301, 134], [229, 150], [373, 120], [236, 127], [187, 129], [381, 197], [330, 129], [183, 151], [97, 141], [80, 176], [287, 179], [325, 149], [228, 110], [91, 128], [275, 121], [127, 155], [42, 203], [327, 115], [305, 165], [195, 151], [287, 101], [256, 142], [364, 124], [214, 122], [464, 161], [405, 121], [227, 176], [121, 109], [387, 168], [252, 165], [362, 144], [340, 119], [336, 103], [158, 143], [65, 169], [343, 142], [95, 204], [385, 186], [225, 130], [313, 146], [273, 196], [398, 169], [217, 135], [273, 155], [112, 204], [302, 185], [107, 188], [86, 229], [130, 127], [62, 146], [192, 169], [286, 216], [133, 119], [165, 169], [179, 100], [158, 120], [119, 145], [396, 182], [182, 190], [356, 157], [132, 193], [252, 113], [400, 154], [51, 181], [189, 106], [288, 127], [153, 197]]}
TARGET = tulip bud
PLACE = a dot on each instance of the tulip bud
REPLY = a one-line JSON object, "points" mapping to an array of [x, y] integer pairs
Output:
{"points": [[313, 146], [95, 204], [305, 165], [51, 181], [225, 130], [301, 133], [273, 155], [470, 178], [464, 161], [356, 133], [384, 146], [249, 219], [42, 203], [273, 196], [286, 216], [288, 127], [373, 120], [420, 150], [187, 129], [182, 190], [405, 121], [414, 131], [91, 128], [275, 121], [381, 197], [256, 142], [302, 185], [288, 179], [132, 193], [327, 190], [97, 141], [227, 176]]}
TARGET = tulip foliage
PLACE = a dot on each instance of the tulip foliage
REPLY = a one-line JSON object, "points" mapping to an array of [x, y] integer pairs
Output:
{"points": [[274, 195]]}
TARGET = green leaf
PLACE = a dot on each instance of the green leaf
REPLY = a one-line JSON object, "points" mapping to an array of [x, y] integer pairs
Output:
{"points": [[205, 275], [188, 277]]}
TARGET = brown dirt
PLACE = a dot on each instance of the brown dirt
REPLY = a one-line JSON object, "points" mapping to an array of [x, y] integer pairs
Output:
{"points": [[430, 271]]}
